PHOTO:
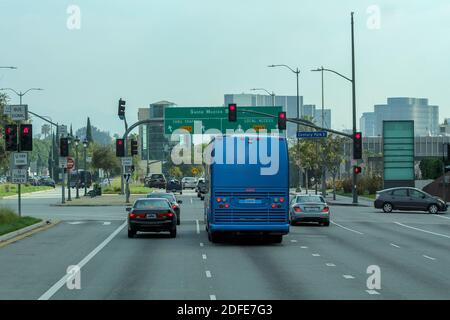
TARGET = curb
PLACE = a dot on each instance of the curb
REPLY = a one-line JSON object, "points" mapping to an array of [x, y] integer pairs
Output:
{"points": [[22, 231]]}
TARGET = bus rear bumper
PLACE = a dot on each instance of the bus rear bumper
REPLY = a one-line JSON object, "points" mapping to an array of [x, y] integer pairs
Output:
{"points": [[273, 228]]}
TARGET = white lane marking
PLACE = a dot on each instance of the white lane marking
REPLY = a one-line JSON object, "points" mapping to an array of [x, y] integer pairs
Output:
{"points": [[316, 255], [337, 224], [428, 257], [208, 273], [294, 241], [372, 292], [198, 226], [440, 216], [76, 222], [58, 285], [212, 297], [347, 276], [106, 223], [191, 201], [394, 245], [204, 256], [422, 230], [304, 247], [201, 244], [330, 265]]}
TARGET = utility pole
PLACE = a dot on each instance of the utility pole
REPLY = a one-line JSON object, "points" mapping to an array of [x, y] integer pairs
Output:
{"points": [[354, 175]]}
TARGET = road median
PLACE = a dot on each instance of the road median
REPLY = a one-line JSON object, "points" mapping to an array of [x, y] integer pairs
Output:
{"points": [[106, 200]]}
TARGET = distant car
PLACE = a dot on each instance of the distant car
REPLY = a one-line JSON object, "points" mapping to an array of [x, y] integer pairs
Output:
{"points": [[309, 208], [151, 215], [155, 180], [189, 182], [408, 199], [173, 185], [201, 188], [47, 181], [172, 199], [34, 181], [105, 182]]}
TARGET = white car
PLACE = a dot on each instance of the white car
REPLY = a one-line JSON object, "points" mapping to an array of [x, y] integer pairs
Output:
{"points": [[189, 182]]}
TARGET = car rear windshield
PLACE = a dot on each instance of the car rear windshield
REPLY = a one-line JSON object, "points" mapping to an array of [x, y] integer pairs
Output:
{"points": [[310, 199], [151, 204], [157, 176], [167, 196]]}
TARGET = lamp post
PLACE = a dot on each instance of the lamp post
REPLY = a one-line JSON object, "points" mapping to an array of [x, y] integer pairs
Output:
{"points": [[270, 94], [8, 67], [85, 145], [69, 195], [299, 114], [77, 183], [20, 94]]}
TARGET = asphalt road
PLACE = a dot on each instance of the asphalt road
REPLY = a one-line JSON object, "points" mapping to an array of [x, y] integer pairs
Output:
{"points": [[411, 251]]}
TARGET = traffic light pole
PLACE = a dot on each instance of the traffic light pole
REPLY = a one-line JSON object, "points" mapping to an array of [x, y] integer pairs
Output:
{"points": [[354, 175]]}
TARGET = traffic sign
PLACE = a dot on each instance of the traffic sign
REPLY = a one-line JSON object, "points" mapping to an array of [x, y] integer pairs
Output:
{"points": [[70, 163], [18, 112], [127, 161], [19, 176], [62, 162], [20, 158], [63, 130], [7, 110], [217, 118], [127, 177], [311, 134]]}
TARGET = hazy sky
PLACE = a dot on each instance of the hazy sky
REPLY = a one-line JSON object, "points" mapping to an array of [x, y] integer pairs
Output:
{"points": [[192, 52]]}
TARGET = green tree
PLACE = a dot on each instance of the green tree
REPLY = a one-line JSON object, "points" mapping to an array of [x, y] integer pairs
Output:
{"points": [[104, 158], [333, 156], [431, 168], [176, 172], [45, 130], [89, 131]]}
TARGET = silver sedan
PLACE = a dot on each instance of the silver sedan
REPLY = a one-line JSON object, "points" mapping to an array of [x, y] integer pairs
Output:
{"points": [[309, 208]]}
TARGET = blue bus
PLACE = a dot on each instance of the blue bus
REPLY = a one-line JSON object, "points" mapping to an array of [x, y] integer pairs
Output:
{"points": [[247, 187]]}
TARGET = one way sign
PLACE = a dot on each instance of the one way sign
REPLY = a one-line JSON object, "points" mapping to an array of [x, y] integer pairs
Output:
{"points": [[127, 177]]}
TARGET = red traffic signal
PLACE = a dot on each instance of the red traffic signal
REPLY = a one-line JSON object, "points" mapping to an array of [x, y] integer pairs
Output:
{"points": [[26, 137], [232, 112], [281, 120], [120, 148], [357, 170], [357, 145], [11, 137]]}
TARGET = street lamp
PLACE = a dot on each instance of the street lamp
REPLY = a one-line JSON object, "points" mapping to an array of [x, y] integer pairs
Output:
{"points": [[85, 145], [20, 93], [299, 113], [69, 195], [77, 183], [270, 94]]}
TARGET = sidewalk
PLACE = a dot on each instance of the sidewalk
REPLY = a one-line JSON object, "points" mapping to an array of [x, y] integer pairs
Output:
{"points": [[340, 200]]}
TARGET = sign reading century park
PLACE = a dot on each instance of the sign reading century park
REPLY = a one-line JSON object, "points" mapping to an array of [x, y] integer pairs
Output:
{"points": [[217, 118]]}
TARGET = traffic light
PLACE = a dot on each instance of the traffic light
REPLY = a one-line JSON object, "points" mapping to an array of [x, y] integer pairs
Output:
{"points": [[232, 112], [281, 120], [134, 147], [64, 147], [26, 137], [121, 111], [357, 145], [120, 148], [11, 137], [357, 169]]}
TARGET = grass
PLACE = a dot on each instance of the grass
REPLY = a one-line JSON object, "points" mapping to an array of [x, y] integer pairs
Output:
{"points": [[9, 189], [10, 221], [135, 188]]}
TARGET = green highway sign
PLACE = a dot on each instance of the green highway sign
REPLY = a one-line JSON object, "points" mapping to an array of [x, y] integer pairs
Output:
{"points": [[217, 118]]}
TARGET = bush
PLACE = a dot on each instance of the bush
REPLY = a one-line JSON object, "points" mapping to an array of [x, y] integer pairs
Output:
{"points": [[339, 184], [374, 184], [7, 216], [361, 185], [347, 185]]}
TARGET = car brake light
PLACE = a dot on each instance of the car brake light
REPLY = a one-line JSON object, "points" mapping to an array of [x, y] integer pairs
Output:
{"points": [[137, 215], [326, 209], [174, 206], [297, 209], [165, 215]]}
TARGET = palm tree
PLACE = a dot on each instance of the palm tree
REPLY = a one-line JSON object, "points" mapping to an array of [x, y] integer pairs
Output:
{"points": [[45, 130]]}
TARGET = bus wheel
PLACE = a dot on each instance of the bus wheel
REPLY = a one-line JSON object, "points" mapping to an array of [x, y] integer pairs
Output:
{"points": [[213, 237], [276, 239]]}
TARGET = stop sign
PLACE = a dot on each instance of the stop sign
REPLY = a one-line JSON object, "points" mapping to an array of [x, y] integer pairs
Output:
{"points": [[70, 163]]}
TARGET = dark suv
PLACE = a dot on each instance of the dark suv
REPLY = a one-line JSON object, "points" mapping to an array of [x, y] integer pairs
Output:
{"points": [[408, 199], [156, 180]]}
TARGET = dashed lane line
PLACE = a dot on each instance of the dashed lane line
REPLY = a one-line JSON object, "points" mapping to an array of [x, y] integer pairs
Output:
{"points": [[372, 292], [428, 257], [208, 274], [204, 256], [394, 245], [348, 276], [197, 226], [212, 297]]}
